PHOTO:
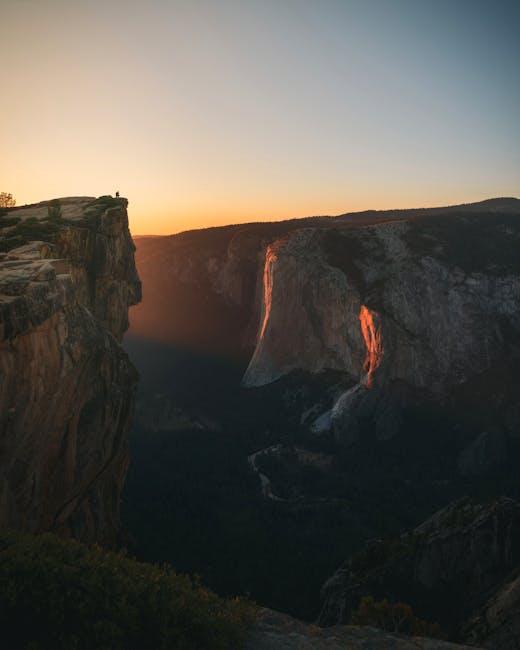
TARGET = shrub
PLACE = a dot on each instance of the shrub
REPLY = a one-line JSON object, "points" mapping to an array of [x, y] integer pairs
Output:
{"points": [[393, 617], [106, 201], [6, 200], [22, 232], [54, 210], [9, 243], [6, 220], [63, 595], [378, 553], [34, 230]]}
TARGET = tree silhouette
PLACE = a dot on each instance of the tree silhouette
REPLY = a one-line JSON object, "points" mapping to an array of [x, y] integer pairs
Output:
{"points": [[6, 200]]}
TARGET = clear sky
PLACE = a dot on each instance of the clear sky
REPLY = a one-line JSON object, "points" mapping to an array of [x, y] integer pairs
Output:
{"points": [[205, 112]]}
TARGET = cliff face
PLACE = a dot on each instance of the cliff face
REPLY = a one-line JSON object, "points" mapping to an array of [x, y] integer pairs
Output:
{"points": [[204, 287], [67, 278], [426, 298], [414, 309], [497, 624], [459, 567], [310, 313], [381, 367], [386, 303]]}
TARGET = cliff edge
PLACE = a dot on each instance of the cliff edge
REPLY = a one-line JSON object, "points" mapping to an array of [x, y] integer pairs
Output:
{"points": [[67, 278], [459, 567], [415, 310]]}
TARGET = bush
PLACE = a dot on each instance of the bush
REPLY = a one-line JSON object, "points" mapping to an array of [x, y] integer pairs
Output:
{"points": [[34, 230], [6, 220], [6, 200], [30, 229], [393, 617], [9, 243], [378, 553], [54, 210], [61, 595], [106, 201]]}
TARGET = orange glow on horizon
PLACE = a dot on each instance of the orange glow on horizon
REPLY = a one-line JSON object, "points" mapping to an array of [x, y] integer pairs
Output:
{"points": [[162, 215], [154, 218], [211, 113]]}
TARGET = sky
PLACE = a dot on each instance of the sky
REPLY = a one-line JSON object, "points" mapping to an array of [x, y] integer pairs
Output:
{"points": [[206, 112]]}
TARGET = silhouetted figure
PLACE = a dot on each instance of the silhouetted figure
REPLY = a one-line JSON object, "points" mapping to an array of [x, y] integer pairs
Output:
{"points": [[117, 195]]}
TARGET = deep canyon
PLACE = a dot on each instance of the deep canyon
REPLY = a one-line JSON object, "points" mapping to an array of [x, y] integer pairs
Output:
{"points": [[311, 385], [327, 407]]}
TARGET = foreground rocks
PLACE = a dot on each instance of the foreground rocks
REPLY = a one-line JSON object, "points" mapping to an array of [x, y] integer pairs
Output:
{"points": [[458, 569], [274, 631], [497, 624], [67, 278]]}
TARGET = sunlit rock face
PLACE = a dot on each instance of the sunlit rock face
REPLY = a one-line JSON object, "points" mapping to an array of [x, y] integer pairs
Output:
{"points": [[411, 309], [67, 278], [204, 287], [309, 315]]}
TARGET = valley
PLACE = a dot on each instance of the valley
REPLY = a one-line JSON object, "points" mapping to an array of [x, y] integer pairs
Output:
{"points": [[331, 389]]}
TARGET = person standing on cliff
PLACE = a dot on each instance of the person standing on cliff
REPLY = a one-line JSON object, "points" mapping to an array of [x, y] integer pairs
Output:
{"points": [[117, 195]]}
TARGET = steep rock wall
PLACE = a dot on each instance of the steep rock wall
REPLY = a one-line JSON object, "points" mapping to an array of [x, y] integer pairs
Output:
{"points": [[446, 568], [204, 288], [67, 278], [309, 314], [421, 306]]}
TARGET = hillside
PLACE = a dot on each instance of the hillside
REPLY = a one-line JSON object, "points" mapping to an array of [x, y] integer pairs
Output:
{"points": [[346, 377]]}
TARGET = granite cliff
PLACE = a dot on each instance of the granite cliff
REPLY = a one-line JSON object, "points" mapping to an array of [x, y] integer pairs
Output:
{"points": [[67, 279], [415, 309], [375, 379], [410, 309], [459, 567]]}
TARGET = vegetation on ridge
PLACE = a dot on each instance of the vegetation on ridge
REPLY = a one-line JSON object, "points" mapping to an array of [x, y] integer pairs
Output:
{"points": [[397, 618], [62, 595], [7, 200]]}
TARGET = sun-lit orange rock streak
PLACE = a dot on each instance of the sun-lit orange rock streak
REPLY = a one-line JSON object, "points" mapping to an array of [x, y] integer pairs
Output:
{"points": [[270, 260], [371, 330]]}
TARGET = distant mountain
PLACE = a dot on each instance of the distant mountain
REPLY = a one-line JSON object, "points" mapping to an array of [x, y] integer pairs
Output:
{"points": [[368, 365]]}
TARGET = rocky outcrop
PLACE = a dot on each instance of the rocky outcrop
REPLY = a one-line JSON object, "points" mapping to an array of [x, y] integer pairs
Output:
{"points": [[455, 567], [273, 631], [390, 341], [417, 310], [497, 624], [67, 278], [412, 310], [428, 298], [310, 314]]}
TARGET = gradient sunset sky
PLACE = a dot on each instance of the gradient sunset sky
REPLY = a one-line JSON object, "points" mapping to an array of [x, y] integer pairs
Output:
{"points": [[205, 112]]}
